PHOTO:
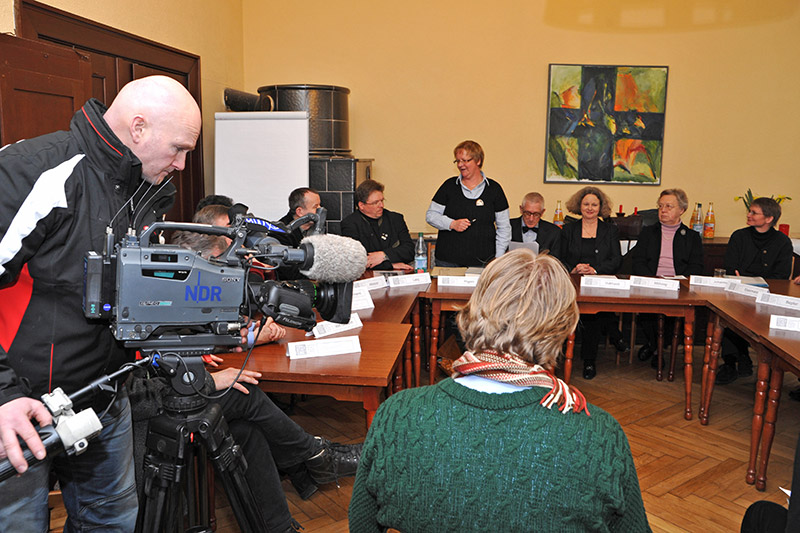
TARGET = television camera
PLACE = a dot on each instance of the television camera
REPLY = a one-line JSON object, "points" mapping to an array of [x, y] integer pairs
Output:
{"points": [[161, 296]]}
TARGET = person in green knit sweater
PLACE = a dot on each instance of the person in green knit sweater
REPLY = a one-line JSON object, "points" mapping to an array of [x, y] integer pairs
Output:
{"points": [[486, 450]]}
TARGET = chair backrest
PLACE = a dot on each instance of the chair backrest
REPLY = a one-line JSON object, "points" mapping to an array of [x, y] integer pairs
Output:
{"points": [[629, 227]]}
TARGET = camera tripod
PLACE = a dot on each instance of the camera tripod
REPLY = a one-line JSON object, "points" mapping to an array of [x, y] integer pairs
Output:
{"points": [[169, 465]]}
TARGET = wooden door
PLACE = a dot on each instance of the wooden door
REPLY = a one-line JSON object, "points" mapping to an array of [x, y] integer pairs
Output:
{"points": [[117, 57], [41, 87]]}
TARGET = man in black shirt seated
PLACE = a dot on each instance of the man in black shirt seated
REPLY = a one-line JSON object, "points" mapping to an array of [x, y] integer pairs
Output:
{"points": [[383, 233], [531, 227]]}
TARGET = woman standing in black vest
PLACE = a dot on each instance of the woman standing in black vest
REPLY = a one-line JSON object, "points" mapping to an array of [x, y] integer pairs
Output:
{"points": [[471, 213]]}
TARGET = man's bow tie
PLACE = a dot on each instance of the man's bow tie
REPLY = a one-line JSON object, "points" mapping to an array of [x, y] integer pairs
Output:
{"points": [[526, 229]]}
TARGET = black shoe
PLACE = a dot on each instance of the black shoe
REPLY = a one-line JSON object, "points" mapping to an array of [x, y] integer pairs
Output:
{"points": [[645, 353], [654, 360], [622, 346], [795, 394], [334, 461], [726, 374], [302, 482], [744, 370], [293, 527], [589, 371]]}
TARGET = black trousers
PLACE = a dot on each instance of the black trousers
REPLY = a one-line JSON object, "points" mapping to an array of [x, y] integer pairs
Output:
{"points": [[270, 440], [593, 327], [734, 348]]}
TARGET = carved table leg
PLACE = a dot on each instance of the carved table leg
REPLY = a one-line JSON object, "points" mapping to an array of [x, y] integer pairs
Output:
{"points": [[688, 332], [436, 316], [712, 371], [673, 354], [706, 358], [660, 350], [568, 356], [775, 384], [759, 404], [415, 316]]}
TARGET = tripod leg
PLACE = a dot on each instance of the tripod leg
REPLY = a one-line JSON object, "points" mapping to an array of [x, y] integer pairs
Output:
{"points": [[230, 464]]}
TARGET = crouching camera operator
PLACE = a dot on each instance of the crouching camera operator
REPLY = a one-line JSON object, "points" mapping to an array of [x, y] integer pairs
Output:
{"points": [[270, 440], [61, 192]]}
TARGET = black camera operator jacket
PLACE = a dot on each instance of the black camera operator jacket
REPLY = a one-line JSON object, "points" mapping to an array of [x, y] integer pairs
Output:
{"points": [[59, 193]]}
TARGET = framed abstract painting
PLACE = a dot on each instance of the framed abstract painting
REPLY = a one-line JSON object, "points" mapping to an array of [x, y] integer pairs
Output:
{"points": [[605, 124]]}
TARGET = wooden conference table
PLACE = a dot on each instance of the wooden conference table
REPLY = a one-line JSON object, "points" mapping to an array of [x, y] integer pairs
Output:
{"points": [[591, 301], [777, 351], [360, 377]]}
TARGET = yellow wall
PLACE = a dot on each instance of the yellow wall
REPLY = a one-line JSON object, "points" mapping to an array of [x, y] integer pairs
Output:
{"points": [[207, 28], [426, 75]]}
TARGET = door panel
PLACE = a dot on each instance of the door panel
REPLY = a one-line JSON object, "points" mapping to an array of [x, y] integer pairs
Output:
{"points": [[41, 87], [117, 58]]}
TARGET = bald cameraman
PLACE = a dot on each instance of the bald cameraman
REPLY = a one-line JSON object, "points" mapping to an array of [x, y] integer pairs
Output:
{"points": [[60, 193]]}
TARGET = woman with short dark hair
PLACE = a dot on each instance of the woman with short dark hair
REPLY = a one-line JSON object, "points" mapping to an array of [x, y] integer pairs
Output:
{"points": [[757, 250]]}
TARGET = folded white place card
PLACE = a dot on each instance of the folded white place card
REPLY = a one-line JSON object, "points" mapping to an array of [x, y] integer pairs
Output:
{"points": [[325, 328], [787, 302], [410, 279], [361, 299], [378, 282], [606, 282], [458, 281], [789, 323], [709, 281], [656, 283], [747, 290], [323, 347]]}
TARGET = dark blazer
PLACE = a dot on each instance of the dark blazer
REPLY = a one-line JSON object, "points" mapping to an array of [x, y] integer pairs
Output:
{"points": [[607, 254], [687, 251], [398, 246], [548, 236]]}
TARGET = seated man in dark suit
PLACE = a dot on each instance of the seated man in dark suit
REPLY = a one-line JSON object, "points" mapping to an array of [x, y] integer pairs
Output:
{"points": [[383, 233], [531, 227], [302, 201]]}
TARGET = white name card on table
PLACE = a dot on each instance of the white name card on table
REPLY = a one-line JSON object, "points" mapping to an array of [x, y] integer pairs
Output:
{"points": [[710, 281], [789, 323], [787, 302], [323, 347], [325, 328], [458, 281], [606, 282], [410, 279], [747, 290], [361, 299], [656, 283], [371, 284]]}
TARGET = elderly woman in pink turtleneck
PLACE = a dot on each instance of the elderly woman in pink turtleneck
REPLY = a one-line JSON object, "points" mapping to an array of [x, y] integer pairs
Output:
{"points": [[668, 248]]}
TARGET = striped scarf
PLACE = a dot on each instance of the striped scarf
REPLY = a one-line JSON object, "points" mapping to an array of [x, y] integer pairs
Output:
{"points": [[510, 368]]}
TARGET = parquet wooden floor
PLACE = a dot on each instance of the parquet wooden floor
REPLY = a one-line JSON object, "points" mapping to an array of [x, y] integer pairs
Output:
{"points": [[691, 476]]}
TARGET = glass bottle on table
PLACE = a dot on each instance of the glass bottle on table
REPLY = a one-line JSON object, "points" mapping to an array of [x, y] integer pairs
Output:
{"points": [[420, 255], [558, 218], [709, 223], [697, 219]]}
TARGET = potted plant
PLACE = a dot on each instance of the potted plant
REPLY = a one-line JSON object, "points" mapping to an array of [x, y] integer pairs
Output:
{"points": [[748, 198]]}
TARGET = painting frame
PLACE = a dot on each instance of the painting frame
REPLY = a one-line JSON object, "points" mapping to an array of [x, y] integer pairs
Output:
{"points": [[605, 124]]}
